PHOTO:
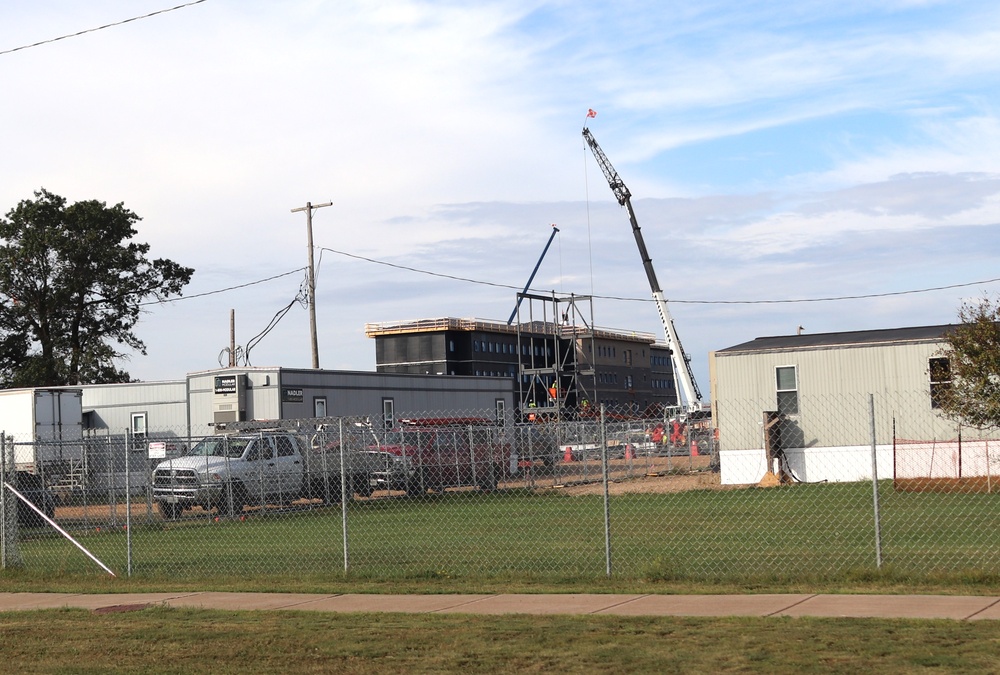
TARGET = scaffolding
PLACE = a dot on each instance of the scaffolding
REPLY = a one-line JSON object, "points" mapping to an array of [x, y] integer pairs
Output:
{"points": [[555, 341]]}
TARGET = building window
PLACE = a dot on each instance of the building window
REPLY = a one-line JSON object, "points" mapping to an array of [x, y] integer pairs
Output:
{"points": [[501, 411], [388, 413], [940, 372], [475, 345], [319, 406], [139, 424], [787, 390], [451, 345]]}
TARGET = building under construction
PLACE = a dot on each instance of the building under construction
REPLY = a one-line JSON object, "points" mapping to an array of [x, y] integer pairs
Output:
{"points": [[562, 364]]}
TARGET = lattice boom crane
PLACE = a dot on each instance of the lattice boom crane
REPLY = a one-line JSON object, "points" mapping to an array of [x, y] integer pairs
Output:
{"points": [[681, 361]]}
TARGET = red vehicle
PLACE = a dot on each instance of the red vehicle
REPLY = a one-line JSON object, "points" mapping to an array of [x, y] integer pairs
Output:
{"points": [[449, 452]]}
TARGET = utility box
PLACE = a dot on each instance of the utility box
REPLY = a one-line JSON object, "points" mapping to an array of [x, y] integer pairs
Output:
{"points": [[229, 399], [45, 427]]}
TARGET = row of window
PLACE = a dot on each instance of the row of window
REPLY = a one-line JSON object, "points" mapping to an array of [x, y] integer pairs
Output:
{"points": [[787, 386], [506, 348], [659, 360], [496, 373]]}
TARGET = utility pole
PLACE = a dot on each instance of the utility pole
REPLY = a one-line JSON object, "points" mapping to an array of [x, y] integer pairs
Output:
{"points": [[309, 208]]}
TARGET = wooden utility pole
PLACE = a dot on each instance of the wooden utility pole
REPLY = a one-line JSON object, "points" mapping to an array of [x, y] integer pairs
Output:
{"points": [[309, 208], [232, 338]]}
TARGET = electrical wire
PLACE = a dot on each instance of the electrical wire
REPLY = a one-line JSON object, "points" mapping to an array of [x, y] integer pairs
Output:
{"points": [[688, 302], [221, 290], [255, 340], [93, 30]]}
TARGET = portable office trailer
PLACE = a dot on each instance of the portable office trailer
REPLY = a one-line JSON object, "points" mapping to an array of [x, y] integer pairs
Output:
{"points": [[218, 397], [817, 388], [45, 426], [156, 410]]}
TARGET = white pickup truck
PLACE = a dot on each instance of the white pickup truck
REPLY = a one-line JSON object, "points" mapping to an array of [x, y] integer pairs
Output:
{"points": [[230, 471]]}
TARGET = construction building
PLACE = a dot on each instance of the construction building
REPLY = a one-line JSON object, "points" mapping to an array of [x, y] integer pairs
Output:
{"points": [[557, 366]]}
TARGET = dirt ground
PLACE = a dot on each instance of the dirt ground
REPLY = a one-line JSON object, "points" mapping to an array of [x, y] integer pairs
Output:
{"points": [[655, 484], [655, 475]]}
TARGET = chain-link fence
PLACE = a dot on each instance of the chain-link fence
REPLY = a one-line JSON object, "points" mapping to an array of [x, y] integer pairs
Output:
{"points": [[829, 488]]}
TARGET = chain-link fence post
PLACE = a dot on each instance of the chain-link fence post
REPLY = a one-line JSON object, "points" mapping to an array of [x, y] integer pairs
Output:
{"points": [[875, 505], [344, 495], [607, 509], [10, 552], [129, 439]]}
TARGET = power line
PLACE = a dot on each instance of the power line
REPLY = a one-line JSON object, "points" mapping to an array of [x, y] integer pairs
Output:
{"points": [[109, 25], [419, 271], [688, 302], [221, 290], [599, 297]]}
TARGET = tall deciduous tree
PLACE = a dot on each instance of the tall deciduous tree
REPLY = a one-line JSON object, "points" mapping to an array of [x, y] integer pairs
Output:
{"points": [[973, 366], [72, 282]]}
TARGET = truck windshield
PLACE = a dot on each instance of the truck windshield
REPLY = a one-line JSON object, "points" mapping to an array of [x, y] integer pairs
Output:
{"points": [[221, 447]]}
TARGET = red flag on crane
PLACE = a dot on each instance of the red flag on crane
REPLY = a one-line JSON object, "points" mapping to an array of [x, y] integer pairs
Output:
{"points": [[591, 112]]}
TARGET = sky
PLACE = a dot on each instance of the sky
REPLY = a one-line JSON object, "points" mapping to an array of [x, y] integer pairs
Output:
{"points": [[792, 164]]}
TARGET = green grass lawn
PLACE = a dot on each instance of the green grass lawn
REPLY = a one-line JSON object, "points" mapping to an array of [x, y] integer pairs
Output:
{"points": [[164, 640], [789, 535]]}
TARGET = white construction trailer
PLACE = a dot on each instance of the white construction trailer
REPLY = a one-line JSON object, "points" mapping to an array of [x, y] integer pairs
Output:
{"points": [[44, 426]]}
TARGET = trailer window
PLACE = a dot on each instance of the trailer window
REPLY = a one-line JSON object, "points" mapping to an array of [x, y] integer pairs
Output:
{"points": [[940, 372], [319, 406], [139, 424], [388, 413], [787, 388]]}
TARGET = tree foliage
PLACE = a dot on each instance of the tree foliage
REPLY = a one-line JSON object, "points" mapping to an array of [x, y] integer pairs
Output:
{"points": [[973, 366], [72, 284]]}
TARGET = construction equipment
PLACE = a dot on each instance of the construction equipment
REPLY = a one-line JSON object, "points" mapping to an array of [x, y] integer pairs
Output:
{"points": [[555, 231], [681, 361]]}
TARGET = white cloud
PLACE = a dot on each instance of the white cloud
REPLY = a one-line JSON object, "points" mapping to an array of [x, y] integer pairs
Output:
{"points": [[447, 134]]}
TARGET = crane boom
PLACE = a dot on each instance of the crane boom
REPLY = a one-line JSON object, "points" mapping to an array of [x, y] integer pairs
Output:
{"points": [[681, 361], [555, 231]]}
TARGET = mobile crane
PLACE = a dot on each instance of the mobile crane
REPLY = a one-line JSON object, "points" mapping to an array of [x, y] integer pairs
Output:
{"points": [[681, 361]]}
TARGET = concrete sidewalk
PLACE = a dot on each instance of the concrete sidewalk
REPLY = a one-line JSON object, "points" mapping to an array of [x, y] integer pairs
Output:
{"points": [[958, 608]]}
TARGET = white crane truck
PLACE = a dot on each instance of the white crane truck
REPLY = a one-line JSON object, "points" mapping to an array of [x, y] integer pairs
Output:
{"points": [[681, 361]]}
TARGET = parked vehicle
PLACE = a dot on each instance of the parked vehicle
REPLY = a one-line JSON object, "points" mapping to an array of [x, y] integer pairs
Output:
{"points": [[230, 471], [387, 471], [534, 442], [449, 452], [46, 426], [33, 487]]}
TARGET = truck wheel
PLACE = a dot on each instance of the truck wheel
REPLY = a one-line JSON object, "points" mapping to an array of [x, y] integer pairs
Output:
{"points": [[363, 486], [239, 499], [416, 484], [489, 481], [170, 511]]}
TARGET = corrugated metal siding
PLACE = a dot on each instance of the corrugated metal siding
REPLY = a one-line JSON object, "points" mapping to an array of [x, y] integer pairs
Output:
{"points": [[834, 385], [165, 404]]}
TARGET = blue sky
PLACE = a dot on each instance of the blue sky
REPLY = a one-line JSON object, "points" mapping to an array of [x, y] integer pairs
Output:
{"points": [[774, 151]]}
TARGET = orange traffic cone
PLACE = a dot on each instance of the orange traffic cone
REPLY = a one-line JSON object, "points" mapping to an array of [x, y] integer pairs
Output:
{"points": [[568, 455], [629, 453], [694, 448]]}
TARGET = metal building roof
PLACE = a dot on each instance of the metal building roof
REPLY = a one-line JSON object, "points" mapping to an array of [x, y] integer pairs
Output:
{"points": [[846, 339]]}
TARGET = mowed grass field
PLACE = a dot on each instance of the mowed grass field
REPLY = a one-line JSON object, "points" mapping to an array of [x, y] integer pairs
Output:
{"points": [[163, 640], [801, 534]]}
